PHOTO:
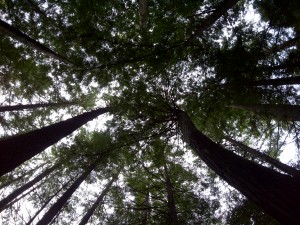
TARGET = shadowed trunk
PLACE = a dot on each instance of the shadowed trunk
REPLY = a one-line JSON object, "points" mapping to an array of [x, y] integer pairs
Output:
{"points": [[275, 82], [46, 203], [16, 150], [33, 106], [18, 35], [97, 203], [282, 112], [277, 194], [62, 201], [146, 210], [274, 162], [25, 187], [212, 18], [170, 196]]}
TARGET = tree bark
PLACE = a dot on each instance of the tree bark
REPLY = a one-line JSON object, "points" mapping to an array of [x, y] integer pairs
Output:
{"points": [[17, 149], [147, 209], [282, 111], [97, 203], [274, 162], [33, 106], [25, 187], [18, 35], [212, 18], [275, 82], [277, 194], [62, 201], [170, 196]]}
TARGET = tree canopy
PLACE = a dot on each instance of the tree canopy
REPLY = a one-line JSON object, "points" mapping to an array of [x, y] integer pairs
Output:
{"points": [[149, 112]]}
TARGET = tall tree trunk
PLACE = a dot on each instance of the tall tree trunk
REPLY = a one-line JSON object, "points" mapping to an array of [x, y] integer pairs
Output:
{"points": [[282, 112], [97, 203], [18, 35], [62, 201], [25, 187], [275, 82], [17, 149], [146, 210], [212, 18], [46, 203], [33, 106], [277, 194], [170, 196], [13, 180], [287, 44], [274, 162]]}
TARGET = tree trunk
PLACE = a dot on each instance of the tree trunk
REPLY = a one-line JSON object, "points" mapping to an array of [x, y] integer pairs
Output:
{"points": [[46, 203], [16, 150], [13, 180], [33, 106], [274, 162], [170, 196], [275, 82], [212, 18], [146, 210], [277, 194], [287, 44], [62, 201], [97, 203], [25, 187], [282, 112], [18, 35]]}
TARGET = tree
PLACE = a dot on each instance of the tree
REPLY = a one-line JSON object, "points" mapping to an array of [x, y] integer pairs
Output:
{"points": [[282, 112], [259, 184], [16, 150], [33, 106]]}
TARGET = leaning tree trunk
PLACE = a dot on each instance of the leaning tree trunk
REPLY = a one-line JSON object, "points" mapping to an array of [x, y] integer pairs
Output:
{"points": [[46, 203], [26, 186], [277, 194], [16, 150], [274, 162], [170, 197], [97, 203], [62, 201], [282, 112], [212, 18], [33, 106], [18, 35], [275, 82]]}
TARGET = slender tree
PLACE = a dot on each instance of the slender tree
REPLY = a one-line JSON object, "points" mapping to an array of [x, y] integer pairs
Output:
{"points": [[274, 162], [98, 202], [277, 194], [170, 196], [13, 32], [280, 111], [16, 150], [26, 186], [62, 201], [33, 106], [275, 81]]}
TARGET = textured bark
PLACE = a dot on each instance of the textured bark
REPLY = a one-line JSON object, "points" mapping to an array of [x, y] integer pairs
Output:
{"points": [[18, 35], [170, 196], [97, 203], [62, 201], [275, 82], [274, 162], [212, 18], [282, 112], [33, 106], [26, 186], [143, 11], [277, 194], [47, 202], [16, 150]]}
